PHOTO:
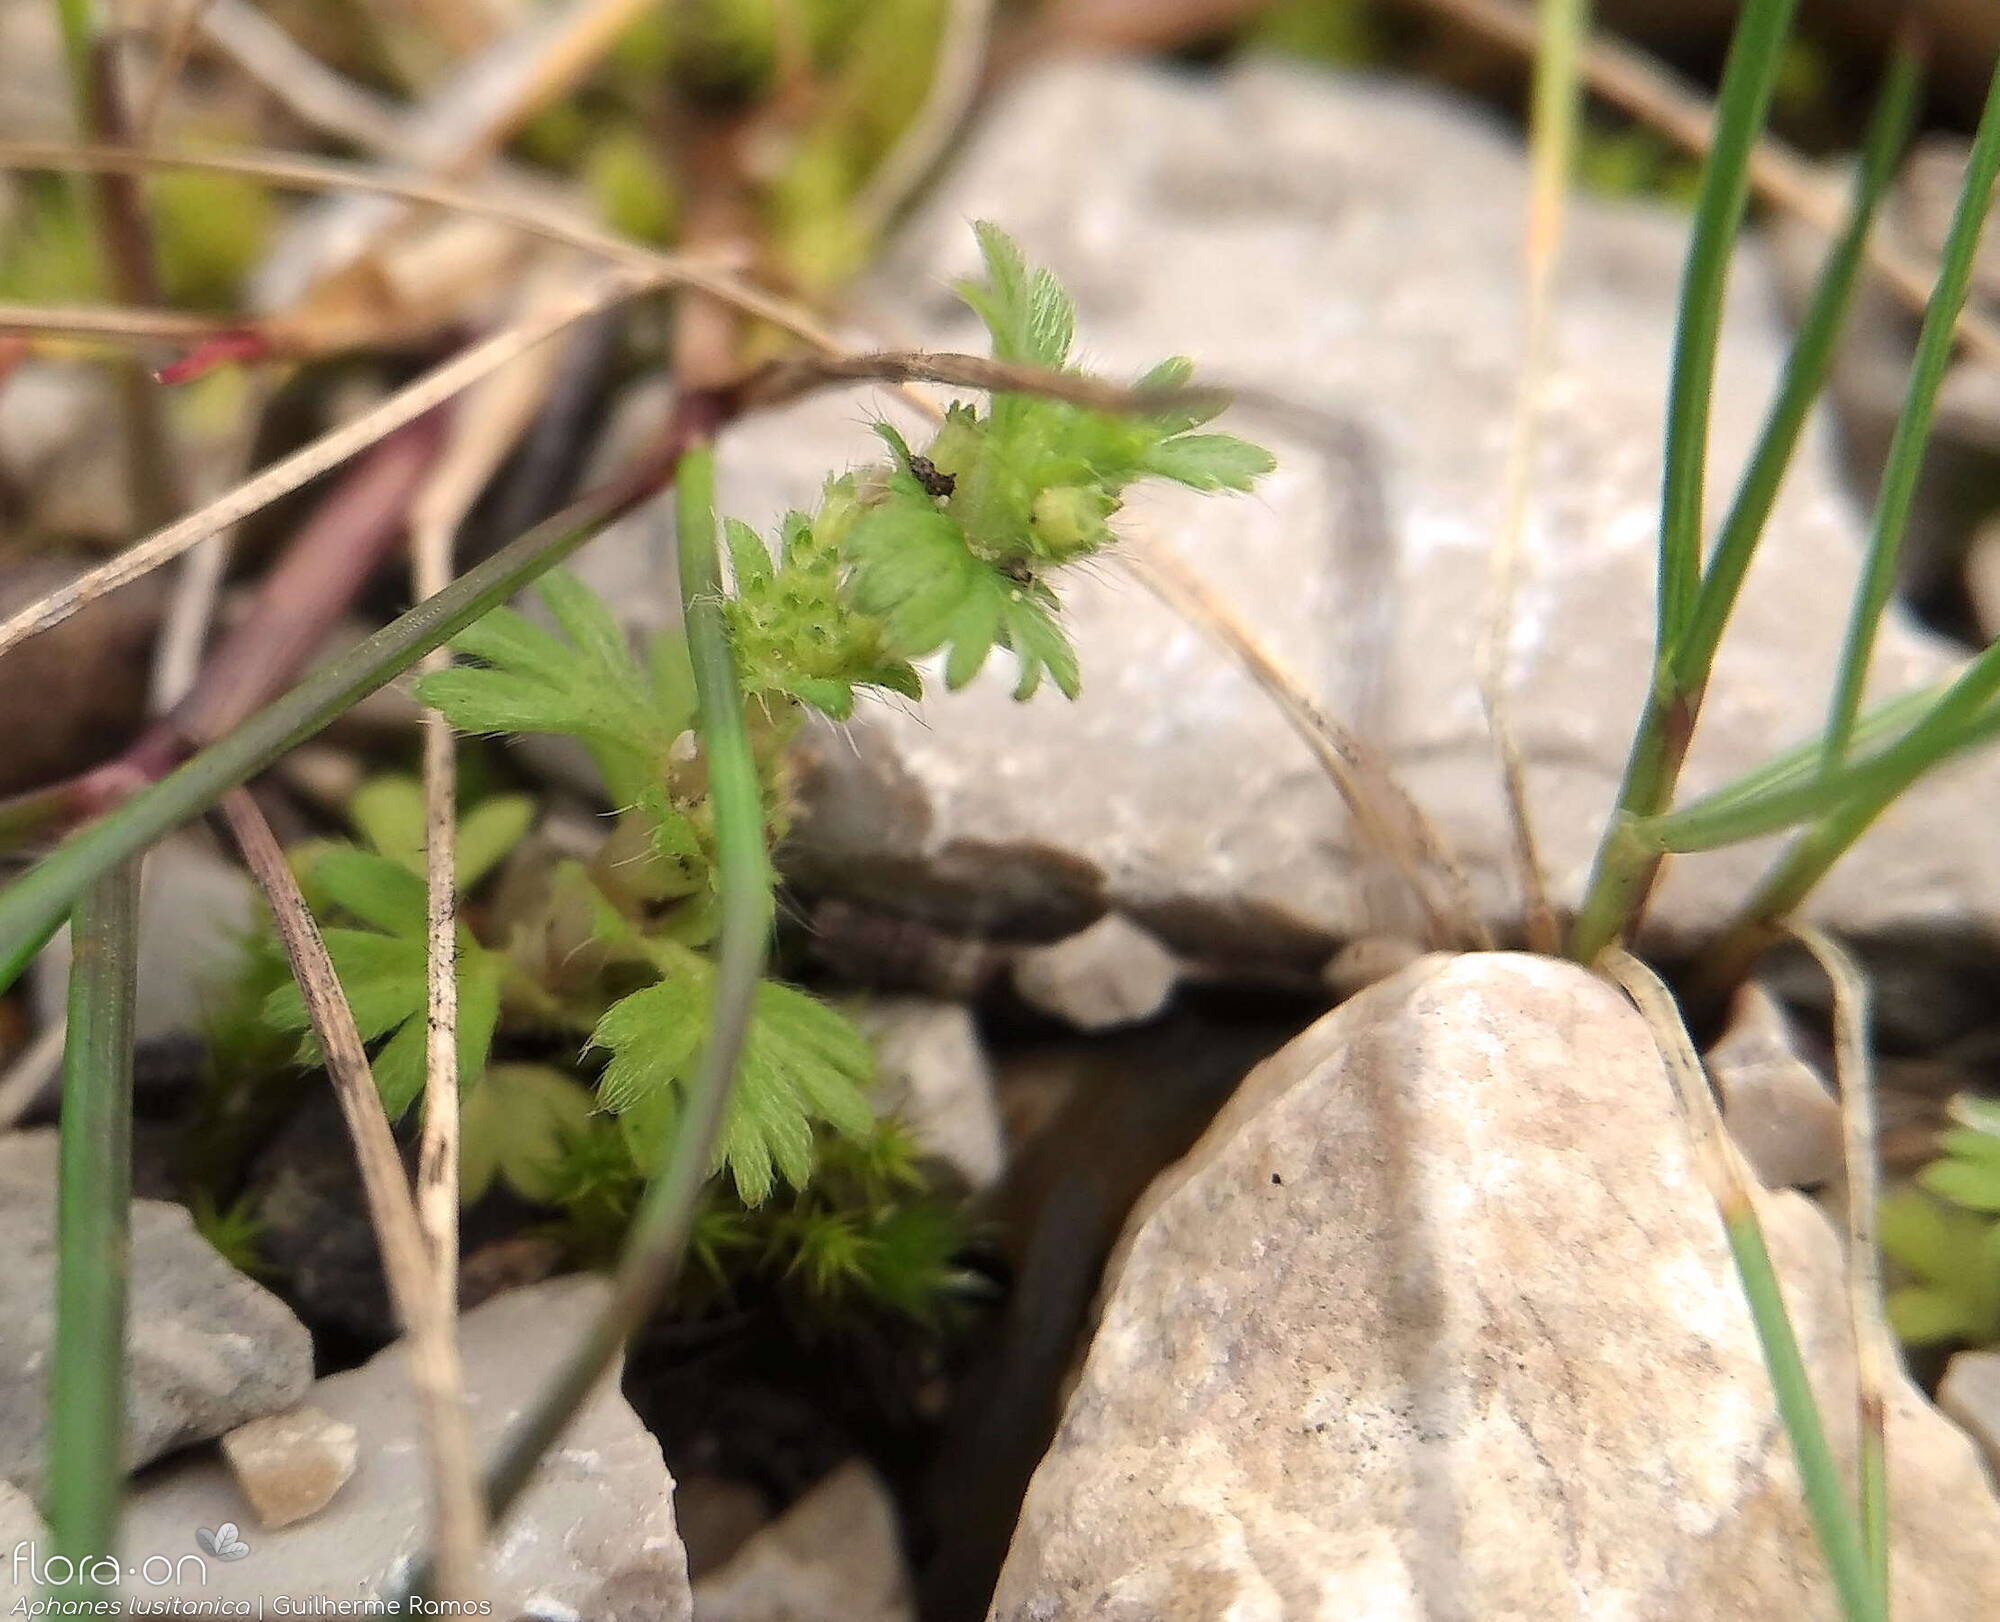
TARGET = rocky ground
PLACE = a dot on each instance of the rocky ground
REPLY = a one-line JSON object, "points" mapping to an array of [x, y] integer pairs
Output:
{"points": [[1333, 1278]]}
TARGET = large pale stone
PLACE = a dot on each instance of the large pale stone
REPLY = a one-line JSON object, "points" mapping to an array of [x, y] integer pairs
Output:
{"points": [[209, 1348], [1355, 245], [593, 1538], [1438, 1323]]}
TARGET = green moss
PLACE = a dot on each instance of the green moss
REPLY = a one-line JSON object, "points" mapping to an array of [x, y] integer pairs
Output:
{"points": [[632, 189], [210, 230]]}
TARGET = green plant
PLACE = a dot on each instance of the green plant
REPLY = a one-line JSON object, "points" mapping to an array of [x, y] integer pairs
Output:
{"points": [[954, 547], [867, 1234], [676, 910], [1861, 763], [235, 1230], [951, 547], [1946, 1235]]}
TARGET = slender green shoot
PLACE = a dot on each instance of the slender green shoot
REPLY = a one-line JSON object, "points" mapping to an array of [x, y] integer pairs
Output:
{"points": [[1792, 789], [34, 905], [686, 1153], [1729, 1184], [1755, 55], [1913, 426], [86, 1456], [1805, 375], [1626, 867]]}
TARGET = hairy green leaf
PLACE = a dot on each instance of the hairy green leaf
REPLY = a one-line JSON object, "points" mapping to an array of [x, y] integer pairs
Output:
{"points": [[584, 684], [802, 1063]]}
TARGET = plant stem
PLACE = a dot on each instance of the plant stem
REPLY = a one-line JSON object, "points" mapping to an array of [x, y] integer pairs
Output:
{"points": [[1626, 870], [658, 1239], [86, 1456], [392, 1212], [34, 905]]}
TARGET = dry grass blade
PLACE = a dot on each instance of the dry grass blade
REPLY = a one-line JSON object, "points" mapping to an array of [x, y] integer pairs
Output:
{"points": [[1388, 818], [434, 1362], [1631, 80], [482, 433], [781, 381], [176, 41], [107, 322], [1874, 1353], [551, 223], [177, 658], [1553, 145], [328, 451], [28, 1077], [954, 86], [302, 83]]}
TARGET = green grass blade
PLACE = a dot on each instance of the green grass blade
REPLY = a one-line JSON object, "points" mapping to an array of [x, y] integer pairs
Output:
{"points": [[1693, 606], [658, 1239], [1805, 376], [86, 1469], [34, 906], [1913, 426], [1840, 1537], [1793, 789], [1721, 1169], [1966, 713], [1874, 1352], [1755, 55]]}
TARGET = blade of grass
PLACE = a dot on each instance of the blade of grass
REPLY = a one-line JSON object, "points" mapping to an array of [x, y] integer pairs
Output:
{"points": [[305, 86], [657, 1241], [1932, 739], [1552, 147], [1792, 789], [36, 903], [1874, 1357], [1755, 54], [1625, 870], [1913, 426], [117, 322], [1729, 1185], [86, 1432]]}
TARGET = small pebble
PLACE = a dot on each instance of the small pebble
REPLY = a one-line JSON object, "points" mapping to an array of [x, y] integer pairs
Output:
{"points": [[290, 1465]]}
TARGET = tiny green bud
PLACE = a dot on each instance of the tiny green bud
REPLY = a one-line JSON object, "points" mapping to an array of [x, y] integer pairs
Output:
{"points": [[1068, 520]]}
